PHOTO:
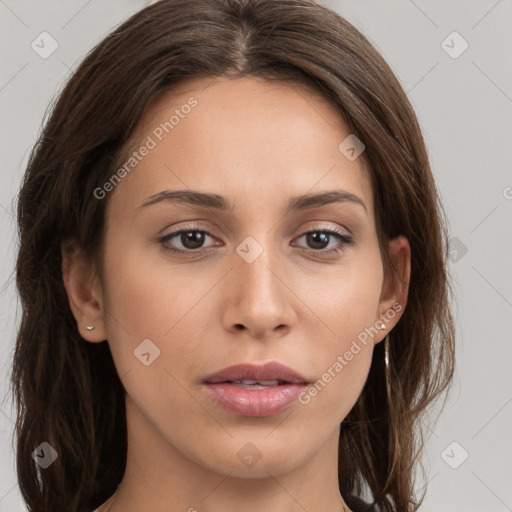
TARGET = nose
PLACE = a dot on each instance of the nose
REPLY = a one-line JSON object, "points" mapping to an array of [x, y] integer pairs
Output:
{"points": [[259, 297]]}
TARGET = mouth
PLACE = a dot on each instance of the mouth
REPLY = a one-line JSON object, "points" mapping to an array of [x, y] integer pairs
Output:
{"points": [[255, 390], [268, 374], [254, 384]]}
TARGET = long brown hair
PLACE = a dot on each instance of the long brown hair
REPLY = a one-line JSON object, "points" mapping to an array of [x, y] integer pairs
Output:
{"points": [[67, 391]]}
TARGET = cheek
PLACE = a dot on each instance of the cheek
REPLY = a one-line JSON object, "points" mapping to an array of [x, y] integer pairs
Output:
{"points": [[151, 310], [343, 362], [149, 296], [346, 301], [151, 299], [329, 400], [347, 309]]}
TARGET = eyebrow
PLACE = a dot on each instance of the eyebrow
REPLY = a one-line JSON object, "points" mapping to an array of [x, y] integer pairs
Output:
{"points": [[221, 203]]}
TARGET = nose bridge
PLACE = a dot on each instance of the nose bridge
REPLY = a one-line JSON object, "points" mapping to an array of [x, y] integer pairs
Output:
{"points": [[255, 270], [258, 299], [257, 280]]}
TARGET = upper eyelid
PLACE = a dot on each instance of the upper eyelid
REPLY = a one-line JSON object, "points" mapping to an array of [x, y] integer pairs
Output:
{"points": [[332, 231], [304, 231]]}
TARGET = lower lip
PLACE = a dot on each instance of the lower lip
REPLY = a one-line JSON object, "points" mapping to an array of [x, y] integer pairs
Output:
{"points": [[254, 402]]}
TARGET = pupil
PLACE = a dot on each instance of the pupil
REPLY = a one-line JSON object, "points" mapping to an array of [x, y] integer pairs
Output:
{"points": [[321, 238], [192, 239]]}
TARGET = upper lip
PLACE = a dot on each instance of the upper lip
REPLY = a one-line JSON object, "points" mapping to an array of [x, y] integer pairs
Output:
{"points": [[259, 372]]}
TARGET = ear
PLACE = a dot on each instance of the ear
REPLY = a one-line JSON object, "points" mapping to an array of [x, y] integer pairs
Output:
{"points": [[395, 287], [84, 292]]}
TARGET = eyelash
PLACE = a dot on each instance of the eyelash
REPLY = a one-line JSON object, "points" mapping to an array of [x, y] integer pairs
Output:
{"points": [[342, 238]]}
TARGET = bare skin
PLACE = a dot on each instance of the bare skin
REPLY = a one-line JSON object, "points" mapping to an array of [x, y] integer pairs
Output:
{"points": [[259, 145]]}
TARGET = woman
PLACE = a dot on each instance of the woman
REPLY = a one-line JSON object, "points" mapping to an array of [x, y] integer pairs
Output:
{"points": [[233, 272]]}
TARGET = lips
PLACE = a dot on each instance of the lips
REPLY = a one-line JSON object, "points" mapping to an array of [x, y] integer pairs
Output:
{"points": [[261, 373], [255, 390]]}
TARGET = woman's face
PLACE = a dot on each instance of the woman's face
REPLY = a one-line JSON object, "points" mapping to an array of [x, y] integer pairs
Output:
{"points": [[250, 286]]}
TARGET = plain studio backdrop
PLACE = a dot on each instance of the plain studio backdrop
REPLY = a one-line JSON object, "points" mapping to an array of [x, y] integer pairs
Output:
{"points": [[453, 60]]}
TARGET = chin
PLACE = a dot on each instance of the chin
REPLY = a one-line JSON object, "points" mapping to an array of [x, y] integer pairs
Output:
{"points": [[254, 456]]}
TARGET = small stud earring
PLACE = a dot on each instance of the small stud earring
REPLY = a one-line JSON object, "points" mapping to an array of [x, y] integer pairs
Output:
{"points": [[382, 325], [89, 327]]}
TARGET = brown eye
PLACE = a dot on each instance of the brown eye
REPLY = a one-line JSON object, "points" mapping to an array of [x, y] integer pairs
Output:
{"points": [[318, 241], [190, 239]]}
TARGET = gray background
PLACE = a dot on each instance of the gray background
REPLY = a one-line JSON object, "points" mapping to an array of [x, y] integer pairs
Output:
{"points": [[464, 106]]}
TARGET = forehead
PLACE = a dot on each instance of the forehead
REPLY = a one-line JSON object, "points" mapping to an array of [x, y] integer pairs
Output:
{"points": [[244, 138]]}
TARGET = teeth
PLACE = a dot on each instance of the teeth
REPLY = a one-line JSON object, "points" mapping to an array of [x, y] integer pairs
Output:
{"points": [[255, 384]]}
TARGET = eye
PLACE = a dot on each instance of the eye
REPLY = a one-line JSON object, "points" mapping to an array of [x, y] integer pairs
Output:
{"points": [[190, 237], [192, 240], [320, 239]]}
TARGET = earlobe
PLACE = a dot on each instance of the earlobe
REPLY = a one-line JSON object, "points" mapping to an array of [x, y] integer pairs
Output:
{"points": [[395, 287], [84, 294]]}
